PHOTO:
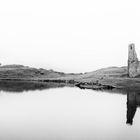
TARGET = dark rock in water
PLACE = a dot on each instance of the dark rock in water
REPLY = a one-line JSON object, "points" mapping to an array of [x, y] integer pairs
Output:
{"points": [[93, 86]]}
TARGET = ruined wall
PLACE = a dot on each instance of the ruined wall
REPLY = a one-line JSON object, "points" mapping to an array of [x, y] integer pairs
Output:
{"points": [[133, 63]]}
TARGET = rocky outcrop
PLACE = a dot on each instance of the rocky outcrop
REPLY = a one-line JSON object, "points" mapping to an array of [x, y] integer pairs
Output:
{"points": [[133, 63]]}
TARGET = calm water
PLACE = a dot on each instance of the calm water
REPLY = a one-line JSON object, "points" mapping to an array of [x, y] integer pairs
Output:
{"points": [[67, 114]]}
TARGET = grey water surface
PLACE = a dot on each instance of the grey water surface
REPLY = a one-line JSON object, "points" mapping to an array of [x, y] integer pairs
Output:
{"points": [[54, 112]]}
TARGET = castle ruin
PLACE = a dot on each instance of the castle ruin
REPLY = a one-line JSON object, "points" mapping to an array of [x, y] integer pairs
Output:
{"points": [[133, 63]]}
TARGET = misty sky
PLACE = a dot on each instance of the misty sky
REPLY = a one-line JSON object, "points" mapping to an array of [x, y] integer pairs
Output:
{"points": [[68, 35]]}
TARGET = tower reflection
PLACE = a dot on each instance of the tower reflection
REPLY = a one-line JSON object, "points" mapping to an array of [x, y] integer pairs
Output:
{"points": [[133, 101]]}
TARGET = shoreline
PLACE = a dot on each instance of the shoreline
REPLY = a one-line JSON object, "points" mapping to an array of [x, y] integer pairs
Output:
{"points": [[106, 78]]}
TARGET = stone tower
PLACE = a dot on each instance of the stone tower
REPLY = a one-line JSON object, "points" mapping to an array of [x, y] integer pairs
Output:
{"points": [[133, 64]]}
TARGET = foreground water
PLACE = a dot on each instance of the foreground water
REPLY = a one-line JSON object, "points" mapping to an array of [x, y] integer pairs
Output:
{"points": [[68, 114]]}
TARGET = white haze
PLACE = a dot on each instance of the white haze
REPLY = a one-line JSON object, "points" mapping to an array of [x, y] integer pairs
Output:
{"points": [[69, 36]]}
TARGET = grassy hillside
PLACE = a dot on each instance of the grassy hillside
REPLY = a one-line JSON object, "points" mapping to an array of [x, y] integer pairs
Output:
{"points": [[24, 72]]}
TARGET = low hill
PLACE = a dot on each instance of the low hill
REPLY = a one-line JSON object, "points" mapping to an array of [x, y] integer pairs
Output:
{"points": [[25, 72]]}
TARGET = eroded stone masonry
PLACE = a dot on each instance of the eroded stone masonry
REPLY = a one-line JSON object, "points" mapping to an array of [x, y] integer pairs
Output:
{"points": [[133, 63]]}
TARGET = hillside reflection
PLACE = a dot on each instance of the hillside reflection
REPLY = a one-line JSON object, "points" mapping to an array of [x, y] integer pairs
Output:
{"points": [[21, 86]]}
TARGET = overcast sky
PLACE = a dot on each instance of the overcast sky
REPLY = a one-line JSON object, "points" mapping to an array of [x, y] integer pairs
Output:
{"points": [[68, 35]]}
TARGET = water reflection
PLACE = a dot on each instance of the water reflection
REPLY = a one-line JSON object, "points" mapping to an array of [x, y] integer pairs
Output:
{"points": [[21, 86], [133, 97], [133, 101]]}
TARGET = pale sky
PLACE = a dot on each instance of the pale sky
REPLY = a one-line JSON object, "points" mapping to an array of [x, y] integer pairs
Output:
{"points": [[68, 35]]}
